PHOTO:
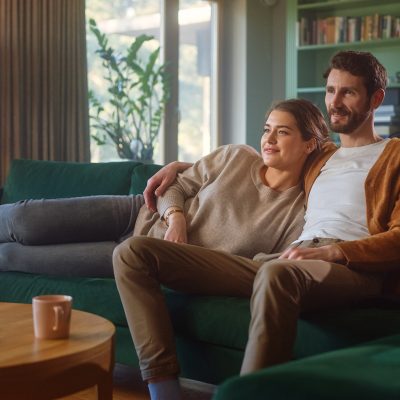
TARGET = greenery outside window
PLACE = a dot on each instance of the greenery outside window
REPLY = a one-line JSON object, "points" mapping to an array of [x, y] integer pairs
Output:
{"points": [[127, 19]]}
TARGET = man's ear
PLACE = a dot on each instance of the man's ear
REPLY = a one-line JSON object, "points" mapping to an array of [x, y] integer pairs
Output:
{"points": [[377, 98]]}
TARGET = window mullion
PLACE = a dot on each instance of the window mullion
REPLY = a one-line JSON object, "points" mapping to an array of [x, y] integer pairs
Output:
{"points": [[216, 35], [170, 55]]}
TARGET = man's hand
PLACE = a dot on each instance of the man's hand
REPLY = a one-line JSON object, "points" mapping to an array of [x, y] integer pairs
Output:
{"points": [[329, 253], [176, 231], [160, 181]]}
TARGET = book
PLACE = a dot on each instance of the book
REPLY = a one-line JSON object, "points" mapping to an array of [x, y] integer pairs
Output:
{"points": [[341, 29]]}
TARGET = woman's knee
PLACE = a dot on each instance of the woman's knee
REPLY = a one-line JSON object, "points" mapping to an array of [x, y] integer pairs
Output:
{"points": [[32, 222], [132, 253], [12, 222]]}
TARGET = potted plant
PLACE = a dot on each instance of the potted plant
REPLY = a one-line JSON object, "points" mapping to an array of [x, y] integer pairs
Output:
{"points": [[137, 90]]}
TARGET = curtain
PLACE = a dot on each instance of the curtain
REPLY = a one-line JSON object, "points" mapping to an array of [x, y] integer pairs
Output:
{"points": [[43, 81]]}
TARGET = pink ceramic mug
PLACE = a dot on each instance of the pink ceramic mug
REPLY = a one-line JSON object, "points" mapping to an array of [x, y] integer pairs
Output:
{"points": [[51, 316]]}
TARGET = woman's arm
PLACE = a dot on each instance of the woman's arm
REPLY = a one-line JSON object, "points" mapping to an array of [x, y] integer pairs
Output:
{"points": [[159, 182], [175, 219], [171, 205]]}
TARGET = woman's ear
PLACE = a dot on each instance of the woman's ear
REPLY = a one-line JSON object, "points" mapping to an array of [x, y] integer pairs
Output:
{"points": [[311, 145]]}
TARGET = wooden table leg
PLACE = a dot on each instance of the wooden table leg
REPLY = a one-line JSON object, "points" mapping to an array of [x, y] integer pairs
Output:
{"points": [[105, 387]]}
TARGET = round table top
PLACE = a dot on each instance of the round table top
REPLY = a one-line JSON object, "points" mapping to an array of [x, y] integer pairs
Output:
{"points": [[19, 348]]}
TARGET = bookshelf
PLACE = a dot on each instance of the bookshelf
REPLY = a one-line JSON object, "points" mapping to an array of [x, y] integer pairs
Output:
{"points": [[308, 50]]}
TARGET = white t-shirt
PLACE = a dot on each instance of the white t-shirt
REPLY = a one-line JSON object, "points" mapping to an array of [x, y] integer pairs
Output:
{"points": [[336, 206]]}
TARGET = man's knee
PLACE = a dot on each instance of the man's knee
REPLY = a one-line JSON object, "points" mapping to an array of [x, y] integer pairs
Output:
{"points": [[278, 275]]}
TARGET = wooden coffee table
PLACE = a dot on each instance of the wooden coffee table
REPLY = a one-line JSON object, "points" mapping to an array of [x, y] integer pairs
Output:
{"points": [[42, 369]]}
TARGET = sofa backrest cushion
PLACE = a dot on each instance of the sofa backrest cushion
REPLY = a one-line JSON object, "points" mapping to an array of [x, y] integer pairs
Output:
{"points": [[140, 175], [32, 179]]}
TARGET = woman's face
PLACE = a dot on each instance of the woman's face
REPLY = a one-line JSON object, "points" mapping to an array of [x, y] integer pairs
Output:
{"points": [[282, 146]]}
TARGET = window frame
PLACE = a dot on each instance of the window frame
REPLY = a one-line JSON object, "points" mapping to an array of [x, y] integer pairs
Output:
{"points": [[169, 39]]}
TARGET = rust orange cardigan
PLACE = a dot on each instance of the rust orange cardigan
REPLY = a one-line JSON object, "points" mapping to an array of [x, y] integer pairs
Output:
{"points": [[379, 252]]}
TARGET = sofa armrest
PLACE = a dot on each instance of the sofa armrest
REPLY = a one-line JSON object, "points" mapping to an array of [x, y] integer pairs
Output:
{"points": [[367, 371], [140, 175]]}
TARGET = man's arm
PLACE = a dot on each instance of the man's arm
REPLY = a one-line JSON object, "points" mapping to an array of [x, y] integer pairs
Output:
{"points": [[161, 180], [375, 253]]}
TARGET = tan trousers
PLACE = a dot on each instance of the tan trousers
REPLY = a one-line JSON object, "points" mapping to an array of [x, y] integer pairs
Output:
{"points": [[279, 290]]}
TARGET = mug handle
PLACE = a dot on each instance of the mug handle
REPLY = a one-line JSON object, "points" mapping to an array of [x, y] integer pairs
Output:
{"points": [[59, 313]]}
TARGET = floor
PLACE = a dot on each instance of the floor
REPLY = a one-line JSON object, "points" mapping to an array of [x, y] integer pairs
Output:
{"points": [[128, 385]]}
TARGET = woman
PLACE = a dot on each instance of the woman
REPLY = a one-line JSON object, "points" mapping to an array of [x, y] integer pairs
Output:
{"points": [[232, 200], [234, 187], [223, 197]]}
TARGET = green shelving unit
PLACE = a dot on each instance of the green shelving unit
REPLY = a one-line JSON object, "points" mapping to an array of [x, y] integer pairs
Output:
{"points": [[306, 64]]}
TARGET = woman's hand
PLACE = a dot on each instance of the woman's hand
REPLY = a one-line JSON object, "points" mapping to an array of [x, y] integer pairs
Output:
{"points": [[160, 181], [329, 253], [176, 231]]}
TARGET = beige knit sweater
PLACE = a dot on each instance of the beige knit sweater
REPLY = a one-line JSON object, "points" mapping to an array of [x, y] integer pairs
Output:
{"points": [[227, 206]]}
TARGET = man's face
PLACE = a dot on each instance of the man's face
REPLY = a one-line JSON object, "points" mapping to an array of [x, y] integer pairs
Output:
{"points": [[346, 101]]}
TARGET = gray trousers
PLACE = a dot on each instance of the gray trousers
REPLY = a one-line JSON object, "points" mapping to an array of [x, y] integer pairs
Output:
{"points": [[279, 291], [66, 237], [69, 220]]}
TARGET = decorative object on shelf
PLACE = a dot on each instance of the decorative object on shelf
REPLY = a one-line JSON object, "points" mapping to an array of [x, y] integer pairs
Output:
{"points": [[268, 3], [137, 92]]}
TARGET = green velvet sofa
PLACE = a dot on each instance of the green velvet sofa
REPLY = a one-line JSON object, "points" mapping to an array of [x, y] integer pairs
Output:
{"points": [[369, 371], [211, 332]]}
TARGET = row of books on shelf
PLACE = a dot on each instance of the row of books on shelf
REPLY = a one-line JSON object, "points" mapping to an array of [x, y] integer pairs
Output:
{"points": [[387, 120], [332, 30], [387, 114]]}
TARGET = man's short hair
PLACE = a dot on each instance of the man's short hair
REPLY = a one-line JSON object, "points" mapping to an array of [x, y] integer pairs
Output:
{"points": [[363, 64]]}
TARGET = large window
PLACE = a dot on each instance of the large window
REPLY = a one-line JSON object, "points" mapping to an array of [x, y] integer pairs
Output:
{"points": [[195, 72], [127, 19]]}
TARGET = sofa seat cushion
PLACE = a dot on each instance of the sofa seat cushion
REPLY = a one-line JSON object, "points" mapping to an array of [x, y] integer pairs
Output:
{"points": [[218, 321], [96, 295], [221, 321], [224, 321], [31, 179], [327, 330], [369, 372]]}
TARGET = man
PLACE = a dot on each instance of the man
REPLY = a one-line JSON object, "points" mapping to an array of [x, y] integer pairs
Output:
{"points": [[350, 239]]}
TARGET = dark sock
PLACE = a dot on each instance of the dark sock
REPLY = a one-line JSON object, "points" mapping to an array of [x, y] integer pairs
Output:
{"points": [[165, 390]]}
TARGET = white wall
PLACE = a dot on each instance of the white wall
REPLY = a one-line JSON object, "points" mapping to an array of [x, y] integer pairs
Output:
{"points": [[233, 71], [253, 52]]}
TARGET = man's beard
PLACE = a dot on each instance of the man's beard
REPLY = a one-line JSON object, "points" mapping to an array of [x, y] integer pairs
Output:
{"points": [[355, 119]]}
